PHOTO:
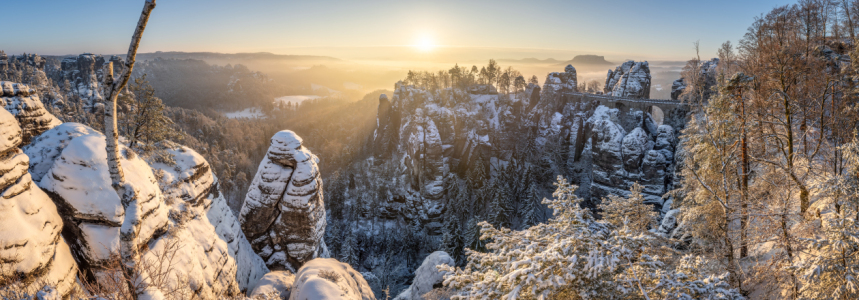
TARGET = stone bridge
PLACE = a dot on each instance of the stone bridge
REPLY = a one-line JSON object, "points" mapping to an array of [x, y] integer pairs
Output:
{"points": [[669, 112]]}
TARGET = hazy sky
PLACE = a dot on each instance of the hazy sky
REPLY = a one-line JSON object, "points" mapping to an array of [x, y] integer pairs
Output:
{"points": [[618, 29]]}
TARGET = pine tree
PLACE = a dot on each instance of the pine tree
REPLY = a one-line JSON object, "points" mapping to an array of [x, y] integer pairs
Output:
{"points": [[531, 213], [500, 207], [477, 173], [348, 251], [472, 236]]}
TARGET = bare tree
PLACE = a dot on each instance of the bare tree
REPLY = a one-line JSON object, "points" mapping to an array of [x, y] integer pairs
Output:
{"points": [[131, 225]]}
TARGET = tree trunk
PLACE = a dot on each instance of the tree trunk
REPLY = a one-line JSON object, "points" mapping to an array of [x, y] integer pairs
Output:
{"points": [[131, 225]]}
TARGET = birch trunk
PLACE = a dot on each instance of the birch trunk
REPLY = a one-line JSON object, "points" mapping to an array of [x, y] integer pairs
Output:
{"points": [[130, 227]]}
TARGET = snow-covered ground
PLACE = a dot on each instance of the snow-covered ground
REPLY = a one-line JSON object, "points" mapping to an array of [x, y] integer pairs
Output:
{"points": [[248, 113]]}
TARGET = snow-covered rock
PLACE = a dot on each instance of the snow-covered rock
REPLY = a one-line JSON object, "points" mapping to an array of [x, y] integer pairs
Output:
{"points": [[283, 214], [275, 283], [631, 80], [185, 177], [30, 226], [427, 276], [175, 201], [606, 149], [85, 74], [677, 88], [326, 278], [80, 184], [23, 102], [634, 146], [562, 81]]}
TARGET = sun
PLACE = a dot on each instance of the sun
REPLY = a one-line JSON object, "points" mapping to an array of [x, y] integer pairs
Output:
{"points": [[425, 44]]}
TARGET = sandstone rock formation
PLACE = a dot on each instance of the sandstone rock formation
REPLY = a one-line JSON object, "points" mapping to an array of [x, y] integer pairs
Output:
{"points": [[183, 213], [186, 179], [630, 80], [283, 214], [31, 247], [619, 158], [20, 100], [85, 74], [329, 279], [562, 81], [79, 183]]}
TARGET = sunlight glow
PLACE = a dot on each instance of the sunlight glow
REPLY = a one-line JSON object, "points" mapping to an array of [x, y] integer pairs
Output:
{"points": [[425, 44]]}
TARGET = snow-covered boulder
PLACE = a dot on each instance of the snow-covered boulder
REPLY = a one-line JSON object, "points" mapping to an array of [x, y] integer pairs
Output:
{"points": [[427, 276], [80, 184], [23, 103], [326, 278], [30, 242], [45, 148], [283, 214], [275, 283], [631, 79]]}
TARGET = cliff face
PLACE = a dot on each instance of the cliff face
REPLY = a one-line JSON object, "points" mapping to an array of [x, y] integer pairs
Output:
{"points": [[30, 226], [630, 80], [283, 214]]}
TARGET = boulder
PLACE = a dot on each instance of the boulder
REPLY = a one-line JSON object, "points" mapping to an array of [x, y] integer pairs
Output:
{"points": [[276, 284], [326, 278]]}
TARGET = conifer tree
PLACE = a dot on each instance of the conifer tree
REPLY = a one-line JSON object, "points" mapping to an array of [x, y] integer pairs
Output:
{"points": [[500, 206], [629, 211], [348, 252], [531, 212]]}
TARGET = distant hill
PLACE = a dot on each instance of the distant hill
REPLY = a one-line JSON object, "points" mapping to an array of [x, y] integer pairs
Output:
{"points": [[531, 60], [588, 60], [234, 56]]}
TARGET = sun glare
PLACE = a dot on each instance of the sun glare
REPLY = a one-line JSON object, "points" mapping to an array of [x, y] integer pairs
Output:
{"points": [[425, 44]]}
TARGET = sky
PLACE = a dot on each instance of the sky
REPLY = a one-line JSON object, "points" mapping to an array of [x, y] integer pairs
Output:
{"points": [[617, 29]]}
